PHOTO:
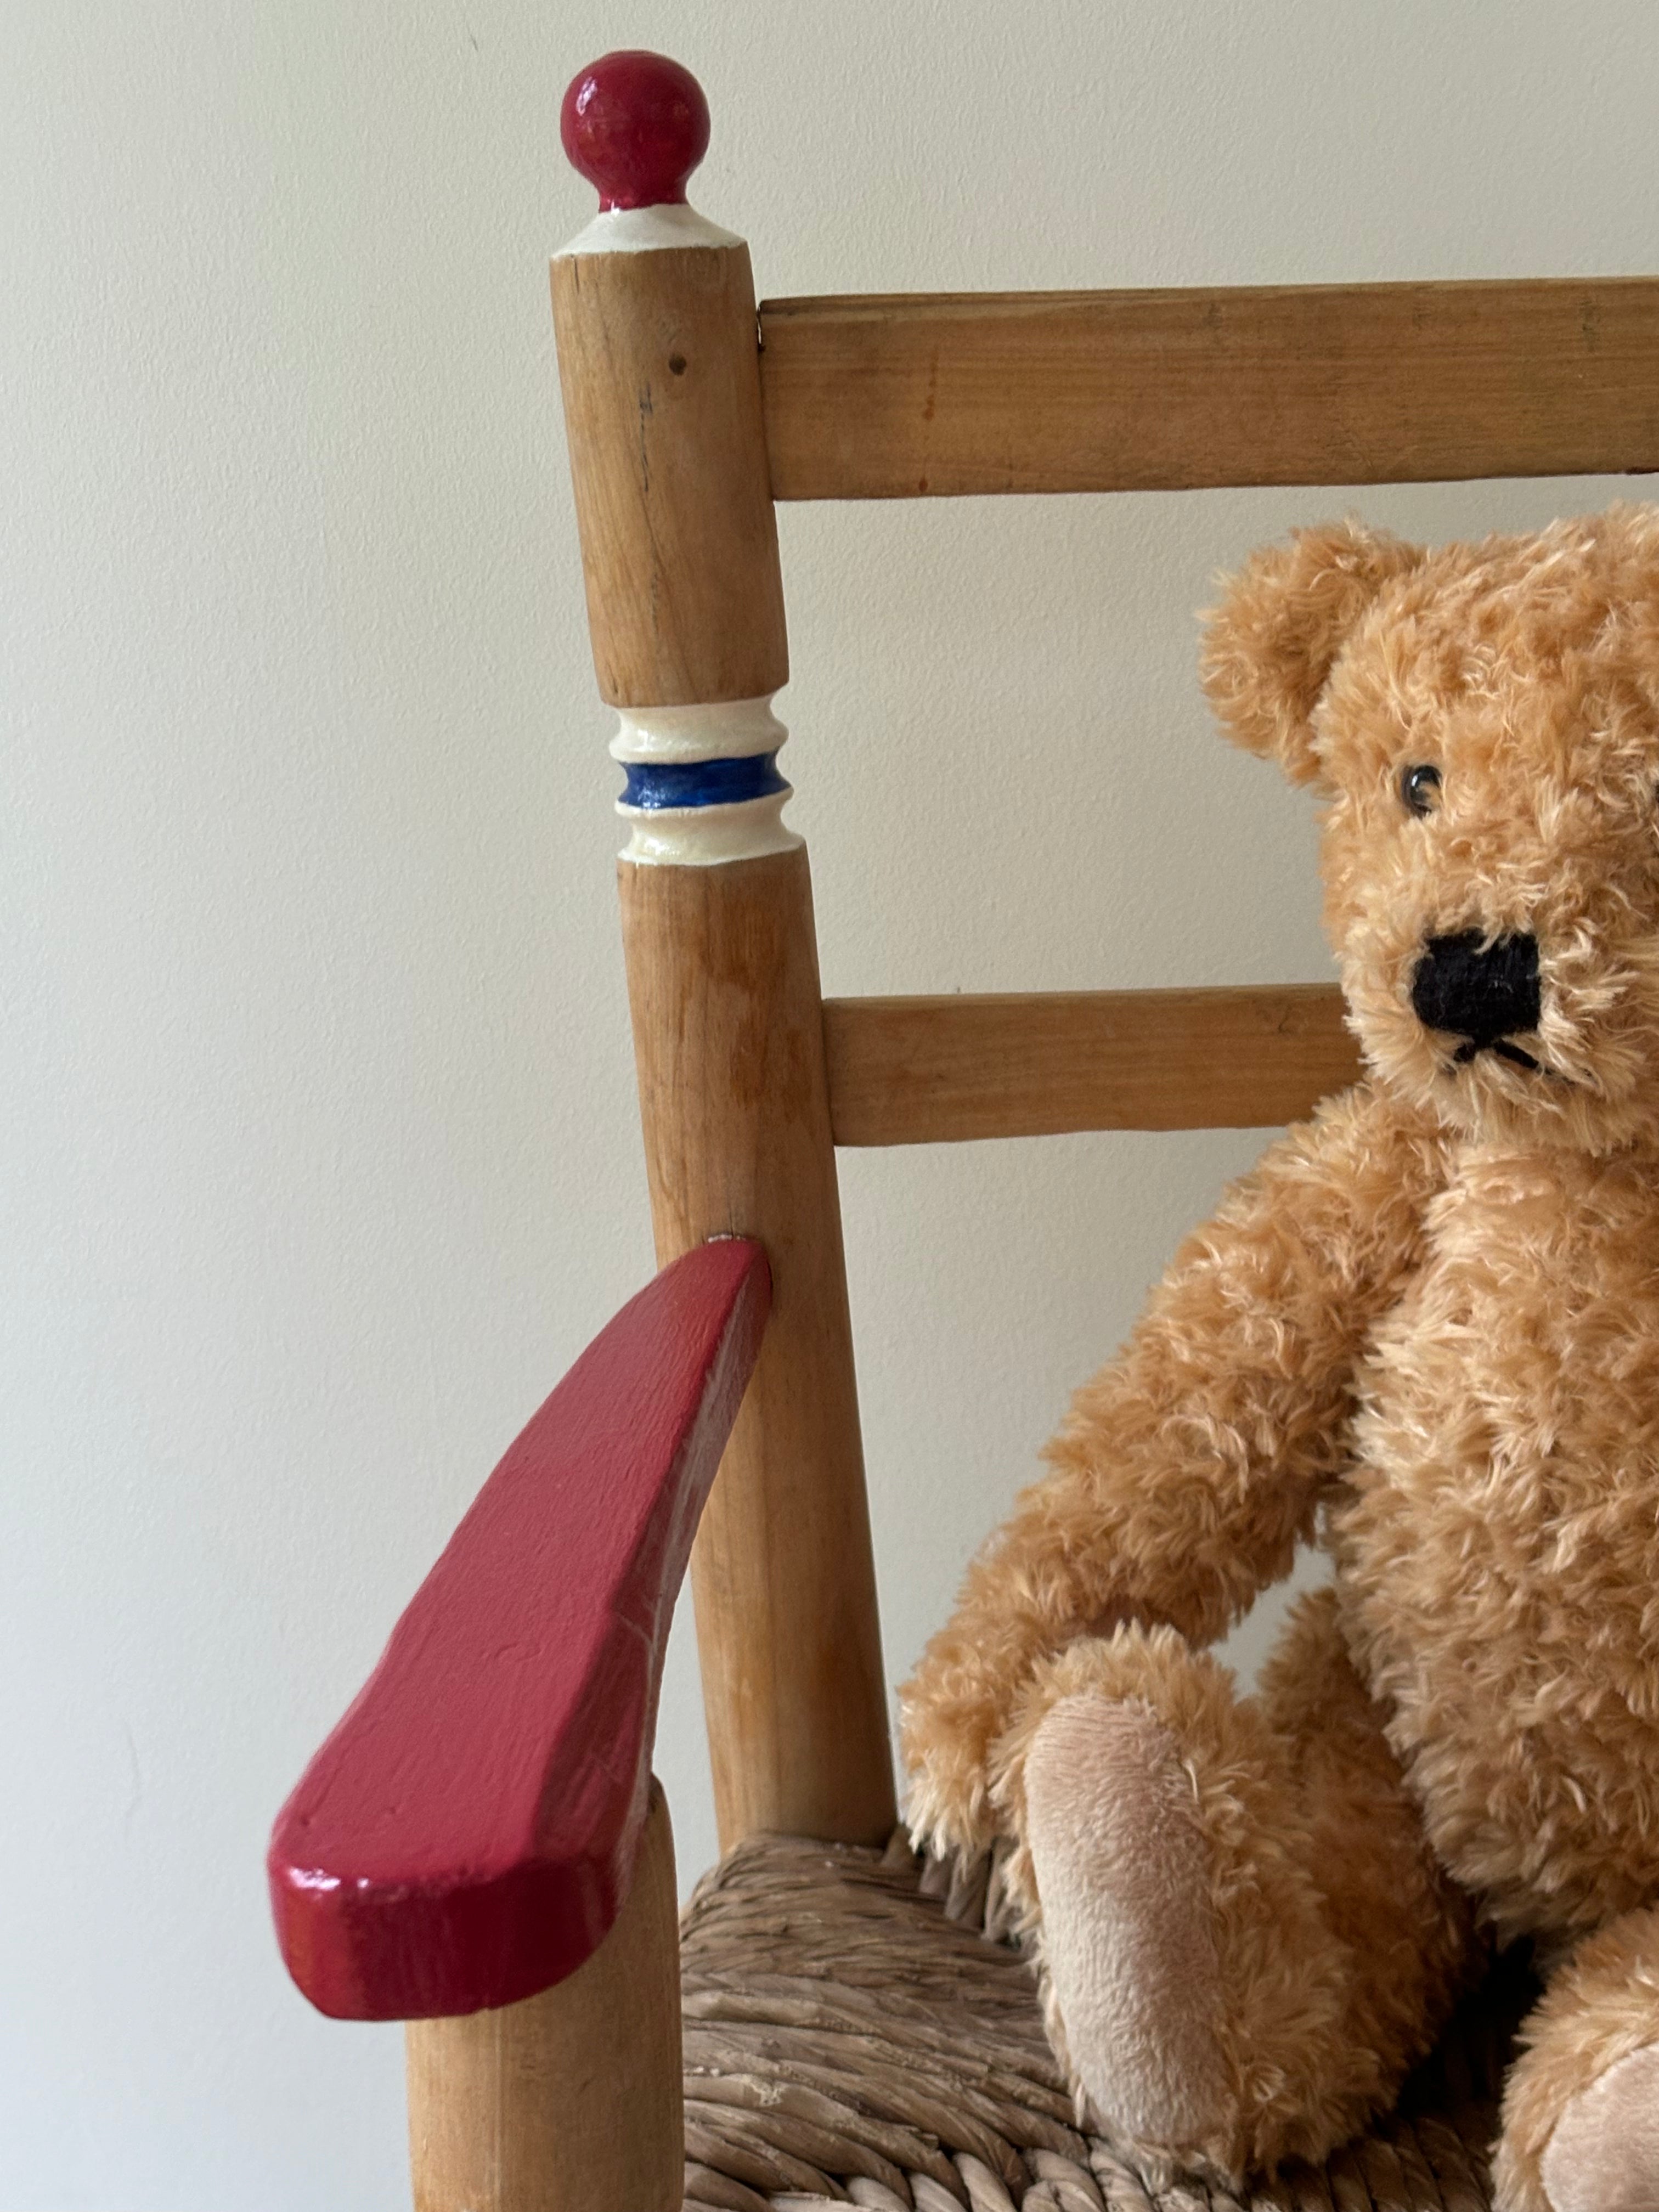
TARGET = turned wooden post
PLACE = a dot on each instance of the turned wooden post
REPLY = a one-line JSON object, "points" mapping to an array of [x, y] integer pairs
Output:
{"points": [[654, 311], [568, 2101]]}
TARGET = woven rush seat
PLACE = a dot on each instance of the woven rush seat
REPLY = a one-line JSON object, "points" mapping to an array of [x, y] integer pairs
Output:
{"points": [[846, 2040]]}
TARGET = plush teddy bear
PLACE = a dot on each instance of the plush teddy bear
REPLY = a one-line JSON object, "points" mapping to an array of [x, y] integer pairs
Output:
{"points": [[1425, 1328]]}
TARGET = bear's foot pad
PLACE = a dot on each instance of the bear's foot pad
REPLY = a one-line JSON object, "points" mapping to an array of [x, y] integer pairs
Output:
{"points": [[1122, 1868], [846, 2042], [1604, 2154]]}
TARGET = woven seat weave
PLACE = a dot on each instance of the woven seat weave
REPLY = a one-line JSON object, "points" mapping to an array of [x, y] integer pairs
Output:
{"points": [[846, 2041]]}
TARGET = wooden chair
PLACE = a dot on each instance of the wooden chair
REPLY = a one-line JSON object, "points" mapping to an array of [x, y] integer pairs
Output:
{"points": [[479, 1848]]}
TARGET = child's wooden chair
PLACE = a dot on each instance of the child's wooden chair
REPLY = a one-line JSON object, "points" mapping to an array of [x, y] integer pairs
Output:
{"points": [[479, 1848]]}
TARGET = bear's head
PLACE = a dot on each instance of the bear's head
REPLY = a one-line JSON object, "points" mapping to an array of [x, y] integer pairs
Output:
{"points": [[1483, 721]]}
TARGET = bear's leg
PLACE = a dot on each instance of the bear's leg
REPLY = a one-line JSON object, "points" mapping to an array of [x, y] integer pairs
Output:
{"points": [[1581, 2108], [1245, 1942]]}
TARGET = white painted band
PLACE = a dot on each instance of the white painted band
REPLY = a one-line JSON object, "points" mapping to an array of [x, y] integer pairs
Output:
{"points": [[646, 230], [704, 837], [735, 729]]}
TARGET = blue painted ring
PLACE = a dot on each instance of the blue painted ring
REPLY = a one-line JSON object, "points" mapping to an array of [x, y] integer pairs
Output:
{"points": [[654, 784]]}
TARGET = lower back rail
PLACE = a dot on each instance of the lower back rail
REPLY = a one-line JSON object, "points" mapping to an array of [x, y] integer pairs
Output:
{"points": [[918, 1071]]}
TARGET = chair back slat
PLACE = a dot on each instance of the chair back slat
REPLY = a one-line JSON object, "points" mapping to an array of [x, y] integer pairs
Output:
{"points": [[934, 1071], [924, 394]]}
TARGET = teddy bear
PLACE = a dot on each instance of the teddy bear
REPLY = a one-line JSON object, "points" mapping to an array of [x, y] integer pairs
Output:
{"points": [[1424, 1331]]}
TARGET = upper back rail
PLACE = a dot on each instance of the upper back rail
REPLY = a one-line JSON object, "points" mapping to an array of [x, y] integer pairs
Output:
{"points": [[928, 394]]}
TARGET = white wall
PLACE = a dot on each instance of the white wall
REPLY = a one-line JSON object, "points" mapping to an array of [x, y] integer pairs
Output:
{"points": [[319, 1157]]}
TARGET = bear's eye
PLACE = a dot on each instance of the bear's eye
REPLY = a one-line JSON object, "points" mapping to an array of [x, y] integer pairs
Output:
{"points": [[1419, 788]]}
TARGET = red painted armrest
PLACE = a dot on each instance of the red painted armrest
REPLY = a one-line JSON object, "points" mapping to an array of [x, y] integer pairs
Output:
{"points": [[465, 1837]]}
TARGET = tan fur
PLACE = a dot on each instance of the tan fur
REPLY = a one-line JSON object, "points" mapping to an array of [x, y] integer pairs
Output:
{"points": [[1190, 1467], [1428, 1323], [1600, 2012], [1270, 654], [1339, 1946]]}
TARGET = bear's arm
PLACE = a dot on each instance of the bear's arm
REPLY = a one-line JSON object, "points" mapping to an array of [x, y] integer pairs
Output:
{"points": [[1190, 1467]]}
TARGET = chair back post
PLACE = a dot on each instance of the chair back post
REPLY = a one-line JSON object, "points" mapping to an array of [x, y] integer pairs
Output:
{"points": [[655, 314]]}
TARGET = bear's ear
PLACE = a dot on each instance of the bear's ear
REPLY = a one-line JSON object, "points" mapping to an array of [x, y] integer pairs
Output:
{"points": [[1271, 644]]}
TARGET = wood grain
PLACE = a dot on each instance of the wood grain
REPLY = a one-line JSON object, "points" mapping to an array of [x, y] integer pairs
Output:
{"points": [[728, 1039], [881, 398], [570, 2101], [686, 605], [660, 375], [467, 1834], [934, 1070]]}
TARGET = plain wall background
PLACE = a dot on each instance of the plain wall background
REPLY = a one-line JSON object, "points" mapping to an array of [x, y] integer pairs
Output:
{"points": [[320, 1158]]}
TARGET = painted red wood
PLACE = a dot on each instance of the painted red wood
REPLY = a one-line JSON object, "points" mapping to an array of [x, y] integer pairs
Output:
{"points": [[466, 1835], [635, 124]]}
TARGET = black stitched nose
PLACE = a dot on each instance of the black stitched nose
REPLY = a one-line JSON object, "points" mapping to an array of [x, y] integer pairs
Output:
{"points": [[1476, 990]]}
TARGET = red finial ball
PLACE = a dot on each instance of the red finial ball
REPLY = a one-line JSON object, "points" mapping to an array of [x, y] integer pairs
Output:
{"points": [[635, 124]]}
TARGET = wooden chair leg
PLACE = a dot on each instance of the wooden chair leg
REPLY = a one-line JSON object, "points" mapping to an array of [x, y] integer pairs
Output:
{"points": [[571, 2101]]}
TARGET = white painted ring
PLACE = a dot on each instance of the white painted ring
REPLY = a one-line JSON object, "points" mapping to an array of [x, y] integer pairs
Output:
{"points": [[646, 230], [734, 729], [706, 836]]}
